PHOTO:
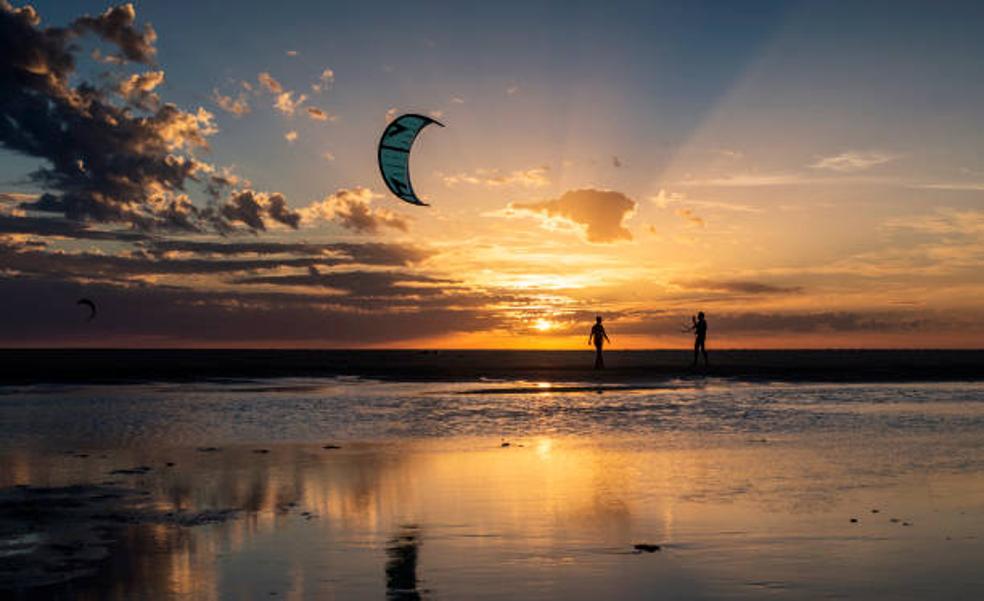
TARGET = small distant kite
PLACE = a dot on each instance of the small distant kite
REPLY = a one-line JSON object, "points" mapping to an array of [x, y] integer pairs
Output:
{"points": [[394, 154], [88, 303]]}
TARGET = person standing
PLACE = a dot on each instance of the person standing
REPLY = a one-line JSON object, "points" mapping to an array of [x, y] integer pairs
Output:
{"points": [[700, 337], [598, 337]]}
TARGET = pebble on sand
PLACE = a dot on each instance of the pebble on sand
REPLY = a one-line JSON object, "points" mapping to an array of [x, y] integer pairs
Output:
{"points": [[854, 520], [261, 451], [504, 445], [874, 511], [331, 447], [646, 548], [208, 449]]}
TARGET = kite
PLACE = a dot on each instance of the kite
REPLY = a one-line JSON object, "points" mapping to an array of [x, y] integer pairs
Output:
{"points": [[90, 304], [394, 154]]}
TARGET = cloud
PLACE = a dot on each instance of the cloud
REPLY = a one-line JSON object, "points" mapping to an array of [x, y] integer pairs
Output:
{"points": [[749, 180], [955, 186], [512, 90], [291, 136], [286, 103], [391, 114], [111, 154], [292, 53], [256, 209], [163, 316], [457, 100], [527, 178], [736, 323], [737, 287], [600, 213], [115, 25], [853, 161], [325, 81], [363, 253], [269, 83], [316, 114], [352, 209], [689, 216], [942, 222], [664, 199], [327, 156], [138, 89], [237, 106]]}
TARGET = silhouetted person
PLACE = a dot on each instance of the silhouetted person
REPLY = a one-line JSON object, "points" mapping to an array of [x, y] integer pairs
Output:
{"points": [[599, 338], [700, 337]]}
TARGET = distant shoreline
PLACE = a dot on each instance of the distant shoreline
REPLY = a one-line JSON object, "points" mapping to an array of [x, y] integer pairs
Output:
{"points": [[37, 366]]}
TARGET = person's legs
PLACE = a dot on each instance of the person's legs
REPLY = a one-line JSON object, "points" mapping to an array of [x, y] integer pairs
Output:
{"points": [[599, 361], [703, 350], [696, 351]]}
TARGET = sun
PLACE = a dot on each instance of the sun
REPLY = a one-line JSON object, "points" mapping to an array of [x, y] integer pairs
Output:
{"points": [[543, 325]]}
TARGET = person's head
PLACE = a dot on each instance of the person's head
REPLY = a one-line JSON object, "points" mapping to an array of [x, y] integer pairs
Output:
{"points": [[598, 319], [700, 316]]}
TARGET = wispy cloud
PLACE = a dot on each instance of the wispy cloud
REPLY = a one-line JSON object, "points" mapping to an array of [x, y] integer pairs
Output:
{"points": [[269, 83], [325, 81], [852, 161], [692, 218], [316, 114], [237, 106], [537, 177]]}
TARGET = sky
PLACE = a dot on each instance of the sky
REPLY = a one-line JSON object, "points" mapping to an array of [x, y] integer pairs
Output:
{"points": [[808, 174]]}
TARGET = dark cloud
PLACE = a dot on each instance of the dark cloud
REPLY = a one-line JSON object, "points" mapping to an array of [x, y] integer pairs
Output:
{"points": [[115, 154], [600, 212], [738, 287], [732, 323], [42, 312], [255, 208], [366, 284], [63, 228], [365, 254], [116, 25]]}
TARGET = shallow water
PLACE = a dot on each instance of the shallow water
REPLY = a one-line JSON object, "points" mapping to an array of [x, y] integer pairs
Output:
{"points": [[749, 489]]}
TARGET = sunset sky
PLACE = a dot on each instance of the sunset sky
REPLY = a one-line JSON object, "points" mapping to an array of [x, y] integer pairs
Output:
{"points": [[809, 174]]}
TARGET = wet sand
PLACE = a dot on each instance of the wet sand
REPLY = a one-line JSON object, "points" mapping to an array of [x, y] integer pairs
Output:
{"points": [[386, 491], [31, 366]]}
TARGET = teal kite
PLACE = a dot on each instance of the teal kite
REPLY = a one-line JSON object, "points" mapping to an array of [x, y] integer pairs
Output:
{"points": [[394, 154]]}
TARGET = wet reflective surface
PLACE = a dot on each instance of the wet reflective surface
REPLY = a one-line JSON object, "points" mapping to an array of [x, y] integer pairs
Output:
{"points": [[748, 490]]}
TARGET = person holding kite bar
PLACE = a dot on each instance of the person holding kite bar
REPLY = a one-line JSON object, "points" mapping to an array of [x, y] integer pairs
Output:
{"points": [[699, 328]]}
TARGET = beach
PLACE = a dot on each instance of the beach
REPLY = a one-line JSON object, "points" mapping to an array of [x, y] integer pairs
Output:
{"points": [[354, 488]]}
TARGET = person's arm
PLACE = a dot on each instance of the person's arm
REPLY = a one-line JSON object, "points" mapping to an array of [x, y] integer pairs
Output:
{"points": [[591, 337], [605, 334]]}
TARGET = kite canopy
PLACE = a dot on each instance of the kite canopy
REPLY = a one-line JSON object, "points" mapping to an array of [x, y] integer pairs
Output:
{"points": [[88, 303], [394, 154]]}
